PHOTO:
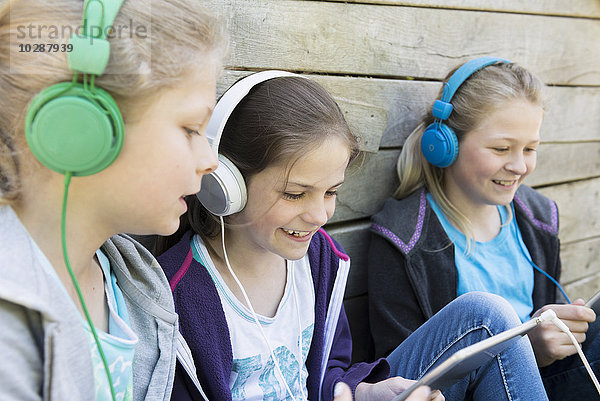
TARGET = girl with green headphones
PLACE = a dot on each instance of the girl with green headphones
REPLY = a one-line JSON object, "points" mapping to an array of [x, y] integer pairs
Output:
{"points": [[87, 313]]}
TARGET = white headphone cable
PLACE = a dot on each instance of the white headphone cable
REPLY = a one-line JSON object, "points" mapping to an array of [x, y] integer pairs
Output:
{"points": [[300, 358], [254, 315], [563, 327]]}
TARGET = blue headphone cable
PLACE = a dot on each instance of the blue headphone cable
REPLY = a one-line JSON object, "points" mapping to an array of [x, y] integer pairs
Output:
{"points": [[553, 280]]}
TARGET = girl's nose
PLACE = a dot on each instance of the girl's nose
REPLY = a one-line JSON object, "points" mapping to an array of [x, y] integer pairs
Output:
{"points": [[517, 164], [206, 159], [318, 213]]}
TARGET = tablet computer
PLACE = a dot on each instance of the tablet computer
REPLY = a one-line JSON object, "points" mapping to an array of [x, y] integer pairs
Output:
{"points": [[594, 303], [463, 361]]}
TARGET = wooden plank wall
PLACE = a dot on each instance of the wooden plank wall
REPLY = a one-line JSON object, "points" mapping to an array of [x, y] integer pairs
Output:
{"points": [[383, 60]]}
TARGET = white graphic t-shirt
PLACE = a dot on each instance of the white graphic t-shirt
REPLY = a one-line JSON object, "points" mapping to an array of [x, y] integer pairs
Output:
{"points": [[254, 375]]}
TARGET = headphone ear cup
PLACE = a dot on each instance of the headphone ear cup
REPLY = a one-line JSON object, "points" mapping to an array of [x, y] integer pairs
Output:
{"points": [[224, 190], [439, 145], [72, 129]]}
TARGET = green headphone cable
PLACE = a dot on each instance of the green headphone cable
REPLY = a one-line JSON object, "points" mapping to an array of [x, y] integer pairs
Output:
{"points": [[76, 284]]}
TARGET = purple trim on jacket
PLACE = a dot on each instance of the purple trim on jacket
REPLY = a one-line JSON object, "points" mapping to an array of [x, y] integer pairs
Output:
{"points": [[339, 254], [202, 323], [182, 270], [552, 228], [406, 248]]}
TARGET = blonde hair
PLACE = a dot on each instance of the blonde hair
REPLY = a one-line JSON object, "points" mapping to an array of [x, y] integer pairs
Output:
{"points": [[173, 38], [486, 90]]}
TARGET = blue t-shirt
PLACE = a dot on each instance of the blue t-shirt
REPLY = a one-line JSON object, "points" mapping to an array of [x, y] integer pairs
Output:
{"points": [[501, 266]]}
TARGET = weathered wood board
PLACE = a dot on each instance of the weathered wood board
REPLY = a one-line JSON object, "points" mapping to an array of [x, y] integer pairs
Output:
{"points": [[397, 41], [572, 8]]}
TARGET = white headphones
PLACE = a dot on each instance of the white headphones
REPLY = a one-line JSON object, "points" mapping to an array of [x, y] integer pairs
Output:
{"points": [[224, 190]]}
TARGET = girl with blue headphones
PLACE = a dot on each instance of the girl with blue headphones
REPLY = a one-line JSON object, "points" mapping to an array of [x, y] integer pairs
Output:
{"points": [[462, 221], [258, 285], [102, 131]]}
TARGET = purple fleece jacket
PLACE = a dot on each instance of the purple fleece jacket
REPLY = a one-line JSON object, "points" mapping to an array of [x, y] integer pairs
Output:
{"points": [[203, 325]]}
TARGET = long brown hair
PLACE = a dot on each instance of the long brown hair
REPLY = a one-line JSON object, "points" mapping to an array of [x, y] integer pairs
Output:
{"points": [[277, 122]]}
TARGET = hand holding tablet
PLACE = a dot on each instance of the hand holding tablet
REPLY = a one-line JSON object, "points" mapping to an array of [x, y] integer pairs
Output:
{"points": [[469, 358]]}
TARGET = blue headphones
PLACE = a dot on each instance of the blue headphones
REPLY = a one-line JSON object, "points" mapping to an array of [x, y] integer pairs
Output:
{"points": [[439, 143]]}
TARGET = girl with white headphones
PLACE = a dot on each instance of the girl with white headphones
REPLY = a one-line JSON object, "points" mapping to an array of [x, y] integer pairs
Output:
{"points": [[259, 292]]}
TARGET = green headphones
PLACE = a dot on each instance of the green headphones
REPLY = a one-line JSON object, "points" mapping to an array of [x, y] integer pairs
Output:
{"points": [[76, 127]]}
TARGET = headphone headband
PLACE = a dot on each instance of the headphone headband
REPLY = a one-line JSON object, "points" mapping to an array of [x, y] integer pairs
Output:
{"points": [[442, 108], [231, 98], [91, 50]]}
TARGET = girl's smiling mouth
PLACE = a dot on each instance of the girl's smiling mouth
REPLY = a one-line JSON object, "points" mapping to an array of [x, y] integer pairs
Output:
{"points": [[301, 235], [505, 183]]}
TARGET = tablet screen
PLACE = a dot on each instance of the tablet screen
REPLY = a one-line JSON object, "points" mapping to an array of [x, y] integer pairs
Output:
{"points": [[462, 362]]}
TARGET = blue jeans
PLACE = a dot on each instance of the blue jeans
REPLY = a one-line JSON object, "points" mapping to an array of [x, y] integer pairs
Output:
{"points": [[568, 380], [512, 375]]}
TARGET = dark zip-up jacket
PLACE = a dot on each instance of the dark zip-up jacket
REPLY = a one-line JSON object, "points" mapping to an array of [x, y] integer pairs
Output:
{"points": [[411, 268]]}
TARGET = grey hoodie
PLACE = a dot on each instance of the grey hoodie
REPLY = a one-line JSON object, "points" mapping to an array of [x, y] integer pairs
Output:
{"points": [[44, 351]]}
